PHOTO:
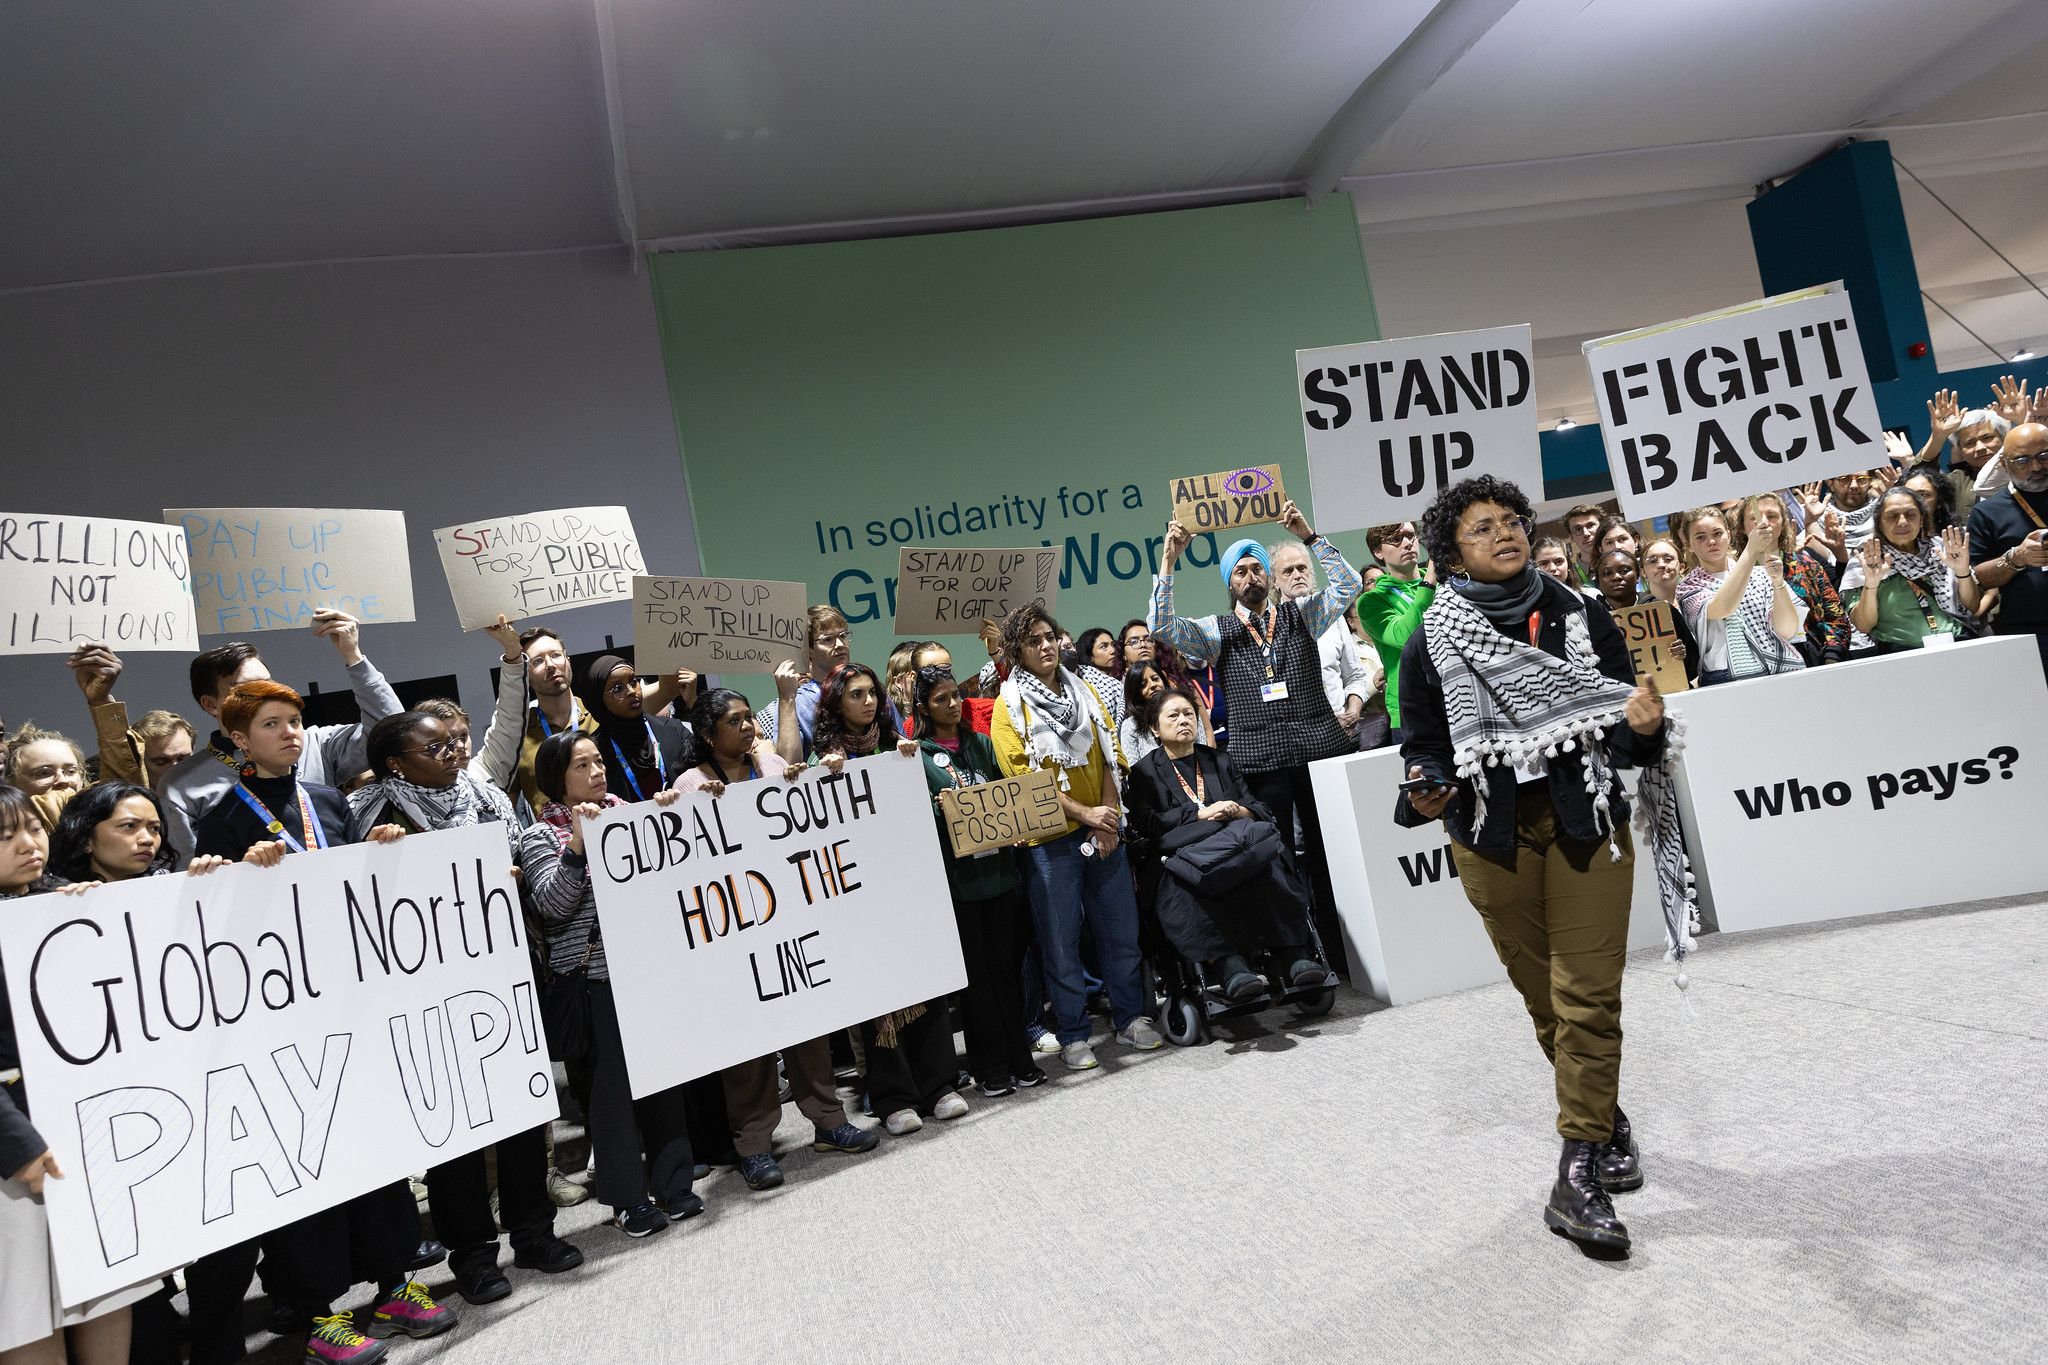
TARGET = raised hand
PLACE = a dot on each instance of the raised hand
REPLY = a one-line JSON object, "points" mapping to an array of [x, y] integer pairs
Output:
{"points": [[1955, 551], [2009, 399], [1293, 520], [342, 631], [1875, 563], [1645, 709], [788, 678], [1899, 448], [507, 635], [1945, 414], [1176, 541], [96, 669]]}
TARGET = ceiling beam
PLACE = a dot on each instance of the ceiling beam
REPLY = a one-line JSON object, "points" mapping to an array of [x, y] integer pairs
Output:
{"points": [[625, 217], [1964, 62], [1446, 34]]}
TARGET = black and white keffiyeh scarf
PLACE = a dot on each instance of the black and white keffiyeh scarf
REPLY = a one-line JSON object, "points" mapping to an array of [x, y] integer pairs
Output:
{"points": [[1752, 613], [1062, 724], [1508, 702], [1922, 564], [467, 802]]}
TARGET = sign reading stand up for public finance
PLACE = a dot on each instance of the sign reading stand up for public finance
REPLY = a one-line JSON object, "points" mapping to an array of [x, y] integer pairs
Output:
{"points": [[71, 581], [736, 925], [271, 568], [1744, 400], [542, 562], [1391, 424], [213, 1057]]}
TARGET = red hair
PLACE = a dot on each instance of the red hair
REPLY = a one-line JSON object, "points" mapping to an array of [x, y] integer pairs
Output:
{"points": [[242, 704]]}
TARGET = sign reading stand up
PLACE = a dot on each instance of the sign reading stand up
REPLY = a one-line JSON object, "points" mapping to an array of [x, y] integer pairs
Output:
{"points": [[1391, 424], [1746, 400]]}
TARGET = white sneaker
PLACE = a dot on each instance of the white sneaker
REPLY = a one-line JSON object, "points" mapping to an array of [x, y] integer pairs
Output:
{"points": [[563, 1192], [1140, 1034], [902, 1121], [950, 1106], [1079, 1057], [1045, 1043]]}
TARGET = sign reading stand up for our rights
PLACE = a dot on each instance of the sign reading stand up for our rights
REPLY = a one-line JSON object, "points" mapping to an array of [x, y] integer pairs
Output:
{"points": [[1744, 400]]}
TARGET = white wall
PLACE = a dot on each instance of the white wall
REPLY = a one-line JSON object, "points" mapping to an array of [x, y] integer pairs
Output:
{"points": [[449, 388]]}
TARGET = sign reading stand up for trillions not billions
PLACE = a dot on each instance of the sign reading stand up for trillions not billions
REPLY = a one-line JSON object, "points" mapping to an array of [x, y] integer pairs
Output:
{"points": [[1745, 400]]}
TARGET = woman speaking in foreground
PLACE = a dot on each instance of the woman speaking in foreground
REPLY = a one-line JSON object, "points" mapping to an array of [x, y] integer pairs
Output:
{"points": [[1519, 705]]}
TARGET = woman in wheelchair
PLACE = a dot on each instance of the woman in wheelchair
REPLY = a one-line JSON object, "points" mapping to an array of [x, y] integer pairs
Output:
{"points": [[1225, 891]]}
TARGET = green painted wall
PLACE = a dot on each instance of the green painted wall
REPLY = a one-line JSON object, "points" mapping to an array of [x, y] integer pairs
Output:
{"points": [[832, 398]]}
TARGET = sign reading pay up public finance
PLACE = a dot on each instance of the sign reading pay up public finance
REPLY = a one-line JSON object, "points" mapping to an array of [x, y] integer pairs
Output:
{"points": [[1391, 424], [1746, 400]]}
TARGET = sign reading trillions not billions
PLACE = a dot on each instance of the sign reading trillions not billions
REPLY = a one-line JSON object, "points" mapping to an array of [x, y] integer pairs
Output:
{"points": [[1745, 400], [542, 562], [717, 625], [950, 592], [214, 1057], [271, 568], [735, 925], [1390, 424], [68, 581]]}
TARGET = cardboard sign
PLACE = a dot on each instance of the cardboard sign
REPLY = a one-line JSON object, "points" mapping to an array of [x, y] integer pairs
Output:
{"points": [[951, 591], [69, 581], [735, 925], [1746, 400], [213, 1057], [1391, 424], [542, 562], [1226, 500], [1651, 633], [271, 568], [990, 815], [717, 625]]}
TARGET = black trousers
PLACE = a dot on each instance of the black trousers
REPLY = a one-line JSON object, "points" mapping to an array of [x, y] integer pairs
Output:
{"points": [[1265, 912], [919, 1069], [1288, 793], [642, 1146], [461, 1199], [370, 1239], [994, 934]]}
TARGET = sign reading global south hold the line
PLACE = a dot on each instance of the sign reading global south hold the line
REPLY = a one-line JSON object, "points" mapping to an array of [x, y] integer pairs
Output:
{"points": [[735, 925], [541, 562], [1390, 424], [68, 581], [717, 625], [950, 592], [1744, 400], [271, 568], [214, 1057]]}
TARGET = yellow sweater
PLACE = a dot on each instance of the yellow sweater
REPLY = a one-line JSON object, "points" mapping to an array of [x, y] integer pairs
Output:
{"points": [[1084, 785]]}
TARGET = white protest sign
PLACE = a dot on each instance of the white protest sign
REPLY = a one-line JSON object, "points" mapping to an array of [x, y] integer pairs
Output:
{"points": [[1765, 786], [538, 563], [1390, 424], [717, 625], [69, 581], [951, 591], [1745, 400], [271, 568], [739, 924], [213, 1057]]}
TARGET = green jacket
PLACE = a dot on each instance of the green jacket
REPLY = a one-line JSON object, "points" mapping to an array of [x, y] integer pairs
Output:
{"points": [[1390, 612], [991, 874]]}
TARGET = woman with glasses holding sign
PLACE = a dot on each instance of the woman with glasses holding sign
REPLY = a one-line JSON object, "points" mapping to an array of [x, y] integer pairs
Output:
{"points": [[1907, 585], [1519, 705], [1740, 610]]}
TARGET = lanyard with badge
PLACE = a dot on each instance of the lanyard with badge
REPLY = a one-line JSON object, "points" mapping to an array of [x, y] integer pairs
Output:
{"points": [[1199, 793], [660, 767], [308, 821], [547, 731], [1273, 688]]}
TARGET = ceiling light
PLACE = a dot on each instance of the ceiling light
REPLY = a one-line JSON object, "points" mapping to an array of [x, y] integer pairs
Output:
{"points": [[1566, 424], [2022, 354]]}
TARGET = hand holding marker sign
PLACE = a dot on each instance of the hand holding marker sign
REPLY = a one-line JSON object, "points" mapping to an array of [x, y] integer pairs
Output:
{"points": [[1228, 499], [271, 568], [545, 561]]}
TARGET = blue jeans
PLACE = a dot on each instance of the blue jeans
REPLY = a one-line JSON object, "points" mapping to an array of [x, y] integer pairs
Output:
{"points": [[1068, 890]]}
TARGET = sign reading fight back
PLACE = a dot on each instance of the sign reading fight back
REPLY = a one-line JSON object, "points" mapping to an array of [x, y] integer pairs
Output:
{"points": [[271, 568], [735, 925], [1391, 424], [70, 581], [1745, 400], [542, 562]]}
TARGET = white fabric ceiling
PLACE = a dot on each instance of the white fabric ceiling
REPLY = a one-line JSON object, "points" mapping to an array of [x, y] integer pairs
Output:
{"points": [[1580, 164]]}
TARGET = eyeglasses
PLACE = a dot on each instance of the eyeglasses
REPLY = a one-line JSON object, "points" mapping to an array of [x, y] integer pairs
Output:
{"points": [[834, 640], [2027, 461], [441, 749], [1495, 530]]}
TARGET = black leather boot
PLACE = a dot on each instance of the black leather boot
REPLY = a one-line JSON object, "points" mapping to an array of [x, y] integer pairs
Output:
{"points": [[1578, 1207], [1620, 1165]]}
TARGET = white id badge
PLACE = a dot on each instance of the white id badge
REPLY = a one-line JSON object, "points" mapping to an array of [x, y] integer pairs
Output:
{"points": [[1273, 691]]}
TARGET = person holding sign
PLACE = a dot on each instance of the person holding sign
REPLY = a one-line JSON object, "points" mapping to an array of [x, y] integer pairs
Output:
{"points": [[554, 708], [1661, 568], [1521, 705], [988, 898], [1184, 793], [34, 1328], [1906, 584], [1741, 611], [1047, 717], [1271, 667], [330, 753]]}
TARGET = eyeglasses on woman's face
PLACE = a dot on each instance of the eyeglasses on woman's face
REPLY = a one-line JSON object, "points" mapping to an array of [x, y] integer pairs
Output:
{"points": [[1491, 529]]}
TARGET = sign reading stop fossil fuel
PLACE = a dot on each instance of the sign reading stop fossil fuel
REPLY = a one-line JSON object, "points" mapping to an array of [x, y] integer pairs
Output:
{"points": [[1391, 424], [212, 1057], [1745, 400], [736, 925]]}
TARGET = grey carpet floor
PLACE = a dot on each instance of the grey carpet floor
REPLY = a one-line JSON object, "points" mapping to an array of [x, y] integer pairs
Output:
{"points": [[1845, 1140]]}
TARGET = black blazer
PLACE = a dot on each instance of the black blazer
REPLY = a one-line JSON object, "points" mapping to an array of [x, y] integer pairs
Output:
{"points": [[1426, 742], [1158, 806]]}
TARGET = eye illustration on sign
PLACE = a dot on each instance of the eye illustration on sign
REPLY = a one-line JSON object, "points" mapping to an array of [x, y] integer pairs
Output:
{"points": [[1245, 483]]}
